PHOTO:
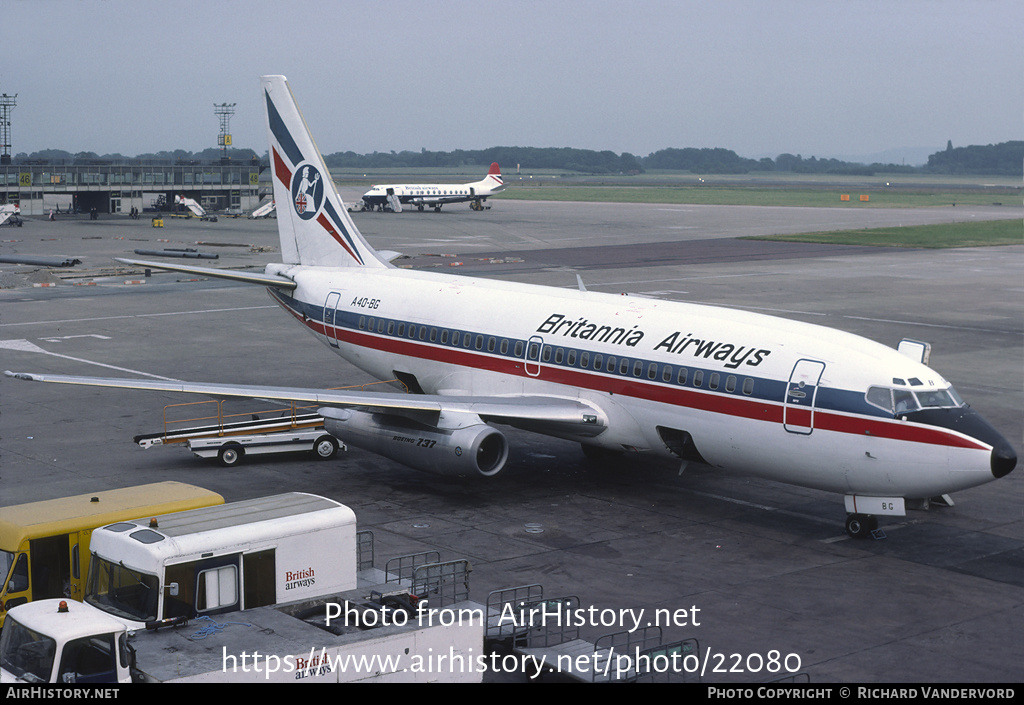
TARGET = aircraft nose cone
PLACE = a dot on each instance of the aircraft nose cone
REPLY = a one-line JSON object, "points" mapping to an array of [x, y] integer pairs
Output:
{"points": [[1004, 460]]}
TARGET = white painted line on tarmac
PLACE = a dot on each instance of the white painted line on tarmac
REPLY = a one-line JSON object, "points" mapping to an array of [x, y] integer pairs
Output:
{"points": [[26, 346], [928, 325], [137, 315]]}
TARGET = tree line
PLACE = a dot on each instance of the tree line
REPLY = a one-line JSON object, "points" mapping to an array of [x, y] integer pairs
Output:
{"points": [[1006, 158], [1003, 158]]}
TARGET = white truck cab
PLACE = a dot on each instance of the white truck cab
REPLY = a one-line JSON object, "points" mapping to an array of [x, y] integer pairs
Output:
{"points": [[64, 641]]}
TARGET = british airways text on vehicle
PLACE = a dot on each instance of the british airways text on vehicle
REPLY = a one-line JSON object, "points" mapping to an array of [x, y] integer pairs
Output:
{"points": [[784, 400]]}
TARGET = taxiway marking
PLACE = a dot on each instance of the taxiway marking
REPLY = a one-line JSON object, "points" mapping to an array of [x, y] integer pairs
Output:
{"points": [[138, 315], [25, 346]]}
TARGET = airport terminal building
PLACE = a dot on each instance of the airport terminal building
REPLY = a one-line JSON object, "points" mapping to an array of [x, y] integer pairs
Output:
{"points": [[105, 186]]}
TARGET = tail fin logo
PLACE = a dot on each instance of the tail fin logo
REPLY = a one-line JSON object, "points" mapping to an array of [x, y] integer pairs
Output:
{"points": [[307, 191]]}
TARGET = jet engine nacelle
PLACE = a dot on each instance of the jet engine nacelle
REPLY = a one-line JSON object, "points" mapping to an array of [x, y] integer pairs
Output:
{"points": [[470, 447]]}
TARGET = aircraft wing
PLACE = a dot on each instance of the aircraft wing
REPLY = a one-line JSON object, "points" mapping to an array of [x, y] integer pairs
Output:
{"points": [[234, 275], [524, 411]]}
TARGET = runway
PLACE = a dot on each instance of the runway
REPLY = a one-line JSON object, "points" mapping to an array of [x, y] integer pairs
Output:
{"points": [[761, 568]]}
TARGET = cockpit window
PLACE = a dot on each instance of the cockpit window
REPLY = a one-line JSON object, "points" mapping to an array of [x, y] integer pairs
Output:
{"points": [[902, 401], [880, 397], [936, 399], [956, 397]]}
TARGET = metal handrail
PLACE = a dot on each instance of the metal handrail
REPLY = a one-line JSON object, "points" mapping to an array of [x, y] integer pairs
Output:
{"points": [[221, 419]]}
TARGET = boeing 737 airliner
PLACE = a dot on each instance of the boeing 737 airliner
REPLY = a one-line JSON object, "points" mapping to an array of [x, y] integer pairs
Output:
{"points": [[784, 400], [435, 195]]}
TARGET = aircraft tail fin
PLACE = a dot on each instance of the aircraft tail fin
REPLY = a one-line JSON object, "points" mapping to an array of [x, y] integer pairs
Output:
{"points": [[493, 178], [314, 226]]}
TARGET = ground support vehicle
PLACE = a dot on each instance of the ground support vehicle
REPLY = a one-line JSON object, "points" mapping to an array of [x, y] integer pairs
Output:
{"points": [[412, 622], [231, 451], [240, 555], [230, 438], [44, 546]]}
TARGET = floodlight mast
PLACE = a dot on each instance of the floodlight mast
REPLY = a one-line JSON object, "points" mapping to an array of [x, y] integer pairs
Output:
{"points": [[7, 103], [224, 111]]}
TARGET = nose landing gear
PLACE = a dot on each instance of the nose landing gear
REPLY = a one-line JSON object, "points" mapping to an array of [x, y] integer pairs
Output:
{"points": [[861, 526]]}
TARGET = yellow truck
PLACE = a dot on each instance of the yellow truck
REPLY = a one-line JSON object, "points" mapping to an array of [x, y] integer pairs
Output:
{"points": [[44, 546]]}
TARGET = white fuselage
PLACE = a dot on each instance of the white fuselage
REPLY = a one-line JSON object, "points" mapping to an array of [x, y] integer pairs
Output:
{"points": [[434, 194], [768, 396]]}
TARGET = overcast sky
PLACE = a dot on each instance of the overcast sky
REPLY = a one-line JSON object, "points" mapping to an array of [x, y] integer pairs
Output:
{"points": [[761, 77]]}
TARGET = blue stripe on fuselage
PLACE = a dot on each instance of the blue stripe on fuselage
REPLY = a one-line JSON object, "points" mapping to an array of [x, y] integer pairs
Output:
{"points": [[765, 390]]}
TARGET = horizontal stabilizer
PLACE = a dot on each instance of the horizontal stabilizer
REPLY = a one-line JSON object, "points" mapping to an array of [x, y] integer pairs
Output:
{"points": [[233, 275]]}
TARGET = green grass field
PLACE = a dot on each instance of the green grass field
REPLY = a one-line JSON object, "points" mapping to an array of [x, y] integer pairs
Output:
{"points": [[976, 234], [759, 195], [790, 190]]}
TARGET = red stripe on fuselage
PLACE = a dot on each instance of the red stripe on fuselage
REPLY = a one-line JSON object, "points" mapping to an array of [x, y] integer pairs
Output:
{"points": [[728, 405]]}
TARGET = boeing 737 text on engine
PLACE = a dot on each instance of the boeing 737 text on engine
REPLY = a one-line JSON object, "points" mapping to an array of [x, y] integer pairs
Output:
{"points": [[780, 399]]}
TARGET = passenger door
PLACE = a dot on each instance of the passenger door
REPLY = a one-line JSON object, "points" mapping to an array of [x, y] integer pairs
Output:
{"points": [[801, 395], [330, 315], [534, 346]]}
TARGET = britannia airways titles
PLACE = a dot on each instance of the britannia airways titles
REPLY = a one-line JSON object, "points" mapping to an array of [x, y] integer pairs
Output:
{"points": [[732, 354]]}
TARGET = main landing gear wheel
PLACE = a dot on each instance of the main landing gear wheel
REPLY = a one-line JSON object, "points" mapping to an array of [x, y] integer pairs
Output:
{"points": [[860, 526], [325, 447], [231, 455]]}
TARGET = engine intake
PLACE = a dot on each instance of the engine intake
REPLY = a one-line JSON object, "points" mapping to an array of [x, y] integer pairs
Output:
{"points": [[471, 448]]}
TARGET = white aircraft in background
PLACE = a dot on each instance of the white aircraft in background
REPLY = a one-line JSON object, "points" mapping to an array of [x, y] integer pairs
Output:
{"points": [[191, 204], [7, 210], [780, 399], [435, 195], [264, 211]]}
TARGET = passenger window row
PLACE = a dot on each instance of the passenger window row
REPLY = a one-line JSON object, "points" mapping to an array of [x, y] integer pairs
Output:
{"points": [[579, 359]]}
